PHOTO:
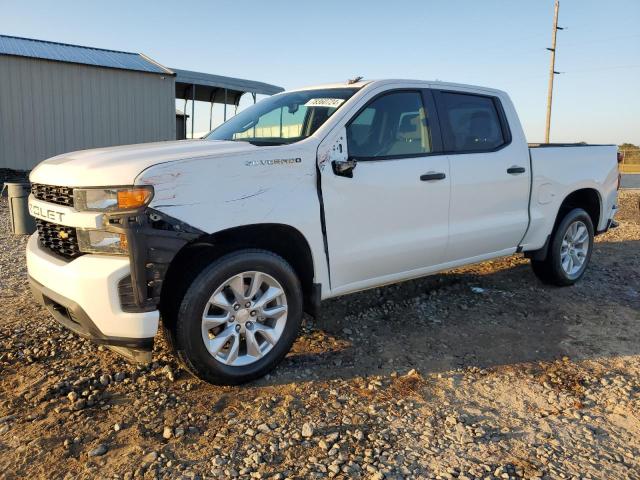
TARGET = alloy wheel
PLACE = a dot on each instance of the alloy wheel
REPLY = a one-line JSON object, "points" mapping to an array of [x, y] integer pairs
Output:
{"points": [[574, 248], [244, 318]]}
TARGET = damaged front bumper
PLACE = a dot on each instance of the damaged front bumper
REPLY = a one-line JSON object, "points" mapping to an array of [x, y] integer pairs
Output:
{"points": [[82, 295], [112, 299]]}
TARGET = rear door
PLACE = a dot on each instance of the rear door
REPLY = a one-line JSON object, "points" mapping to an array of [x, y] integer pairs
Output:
{"points": [[490, 177], [390, 217]]}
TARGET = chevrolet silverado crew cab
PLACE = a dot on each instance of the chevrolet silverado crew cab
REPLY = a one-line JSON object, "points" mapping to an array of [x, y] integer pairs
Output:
{"points": [[306, 195]]}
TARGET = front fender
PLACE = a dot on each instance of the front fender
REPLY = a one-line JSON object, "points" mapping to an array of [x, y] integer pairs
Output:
{"points": [[273, 185]]}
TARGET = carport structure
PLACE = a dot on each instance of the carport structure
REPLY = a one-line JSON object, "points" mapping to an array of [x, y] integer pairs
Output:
{"points": [[213, 89]]}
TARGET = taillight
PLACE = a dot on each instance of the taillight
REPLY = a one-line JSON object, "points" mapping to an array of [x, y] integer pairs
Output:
{"points": [[620, 159]]}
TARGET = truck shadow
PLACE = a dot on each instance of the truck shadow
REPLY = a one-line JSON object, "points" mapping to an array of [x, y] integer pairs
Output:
{"points": [[490, 314]]}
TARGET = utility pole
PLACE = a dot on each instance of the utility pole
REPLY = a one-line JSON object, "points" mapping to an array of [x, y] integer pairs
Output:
{"points": [[552, 71]]}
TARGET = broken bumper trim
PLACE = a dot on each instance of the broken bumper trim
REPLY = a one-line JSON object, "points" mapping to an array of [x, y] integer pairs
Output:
{"points": [[154, 239]]}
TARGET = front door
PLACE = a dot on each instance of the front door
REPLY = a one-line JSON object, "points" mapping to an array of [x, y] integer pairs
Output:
{"points": [[390, 218]]}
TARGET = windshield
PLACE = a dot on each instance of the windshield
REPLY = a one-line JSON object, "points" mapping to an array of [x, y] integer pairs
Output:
{"points": [[285, 118]]}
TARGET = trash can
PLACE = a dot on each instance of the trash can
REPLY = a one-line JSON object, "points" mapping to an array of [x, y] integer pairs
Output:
{"points": [[18, 196]]}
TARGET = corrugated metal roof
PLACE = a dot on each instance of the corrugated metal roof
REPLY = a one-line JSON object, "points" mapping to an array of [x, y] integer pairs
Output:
{"points": [[62, 52], [199, 79]]}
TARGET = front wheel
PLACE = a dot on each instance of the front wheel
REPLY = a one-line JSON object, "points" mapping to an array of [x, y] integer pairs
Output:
{"points": [[569, 250], [239, 317]]}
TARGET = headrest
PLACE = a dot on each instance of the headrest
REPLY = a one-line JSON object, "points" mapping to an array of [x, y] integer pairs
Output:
{"points": [[408, 124]]}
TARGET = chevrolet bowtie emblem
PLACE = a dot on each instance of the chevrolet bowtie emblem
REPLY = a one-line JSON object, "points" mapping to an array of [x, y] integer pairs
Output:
{"points": [[63, 235]]}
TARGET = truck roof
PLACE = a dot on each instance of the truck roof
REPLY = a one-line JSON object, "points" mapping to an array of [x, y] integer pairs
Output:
{"points": [[362, 83]]}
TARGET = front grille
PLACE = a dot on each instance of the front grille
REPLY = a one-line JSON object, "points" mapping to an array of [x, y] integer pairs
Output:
{"points": [[60, 239], [53, 194]]}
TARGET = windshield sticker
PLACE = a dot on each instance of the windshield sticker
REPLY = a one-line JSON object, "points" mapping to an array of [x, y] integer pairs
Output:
{"points": [[325, 102]]}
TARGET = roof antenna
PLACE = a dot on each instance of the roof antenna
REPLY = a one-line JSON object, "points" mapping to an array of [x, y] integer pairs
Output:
{"points": [[355, 79]]}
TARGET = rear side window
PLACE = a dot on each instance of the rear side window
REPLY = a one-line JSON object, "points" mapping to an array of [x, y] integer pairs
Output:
{"points": [[470, 123], [391, 126]]}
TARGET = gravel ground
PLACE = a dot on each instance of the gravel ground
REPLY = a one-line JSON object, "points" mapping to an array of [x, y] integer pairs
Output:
{"points": [[479, 372]]}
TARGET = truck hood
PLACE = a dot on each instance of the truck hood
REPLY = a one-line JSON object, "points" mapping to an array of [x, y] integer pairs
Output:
{"points": [[121, 165]]}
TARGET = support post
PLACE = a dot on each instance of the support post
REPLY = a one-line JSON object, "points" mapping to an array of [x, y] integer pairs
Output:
{"points": [[211, 99], [552, 71], [184, 112], [193, 108], [225, 104]]}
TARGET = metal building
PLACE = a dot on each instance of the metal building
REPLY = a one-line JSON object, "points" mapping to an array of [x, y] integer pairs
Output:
{"points": [[56, 98]]}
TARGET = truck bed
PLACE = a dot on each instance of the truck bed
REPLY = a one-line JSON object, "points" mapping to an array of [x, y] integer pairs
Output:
{"points": [[559, 169]]}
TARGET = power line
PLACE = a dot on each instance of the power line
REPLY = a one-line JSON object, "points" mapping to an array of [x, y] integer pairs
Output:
{"points": [[613, 67], [601, 40], [572, 72]]}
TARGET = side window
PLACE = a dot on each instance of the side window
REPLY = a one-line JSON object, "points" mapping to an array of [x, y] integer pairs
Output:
{"points": [[393, 125], [470, 123]]}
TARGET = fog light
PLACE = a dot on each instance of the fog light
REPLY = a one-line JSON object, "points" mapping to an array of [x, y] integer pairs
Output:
{"points": [[100, 241]]}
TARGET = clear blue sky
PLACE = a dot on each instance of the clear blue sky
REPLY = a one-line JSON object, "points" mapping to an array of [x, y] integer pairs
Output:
{"points": [[497, 43]]}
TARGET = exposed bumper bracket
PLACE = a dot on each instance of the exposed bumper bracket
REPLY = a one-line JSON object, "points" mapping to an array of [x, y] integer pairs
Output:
{"points": [[154, 239]]}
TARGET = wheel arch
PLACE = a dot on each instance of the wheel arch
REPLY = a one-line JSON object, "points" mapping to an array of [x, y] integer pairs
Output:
{"points": [[281, 239], [588, 199]]}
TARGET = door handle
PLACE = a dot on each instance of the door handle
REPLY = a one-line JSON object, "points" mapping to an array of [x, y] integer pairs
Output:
{"points": [[515, 170], [432, 176]]}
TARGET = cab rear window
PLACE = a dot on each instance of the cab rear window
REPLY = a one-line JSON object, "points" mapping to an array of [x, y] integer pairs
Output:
{"points": [[470, 123]]}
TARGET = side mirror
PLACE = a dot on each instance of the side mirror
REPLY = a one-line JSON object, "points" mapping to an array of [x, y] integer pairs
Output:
{"points": [[334, 151], [344, 168]]}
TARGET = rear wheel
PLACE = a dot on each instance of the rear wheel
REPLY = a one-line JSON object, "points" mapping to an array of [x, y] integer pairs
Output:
{"points": [[569, 250], [239, 317]]}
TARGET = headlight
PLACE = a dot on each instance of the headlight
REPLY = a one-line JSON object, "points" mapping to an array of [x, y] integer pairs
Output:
{"points": [[112, 199], [100, 241]]}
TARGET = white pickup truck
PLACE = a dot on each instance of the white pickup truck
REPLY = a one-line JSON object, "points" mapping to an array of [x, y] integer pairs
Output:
{"points": [[307, 195]]}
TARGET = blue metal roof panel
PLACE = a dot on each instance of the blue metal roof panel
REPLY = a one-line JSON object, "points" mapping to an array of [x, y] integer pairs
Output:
{"points": [[62, 52], [189, 77]]}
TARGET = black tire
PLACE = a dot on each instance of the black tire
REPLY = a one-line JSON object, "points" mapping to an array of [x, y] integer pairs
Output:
{"points": [[189, 344], [550, 270]]}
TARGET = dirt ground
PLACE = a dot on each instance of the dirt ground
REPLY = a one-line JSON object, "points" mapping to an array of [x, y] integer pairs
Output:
{"points": [[481, 372]]}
